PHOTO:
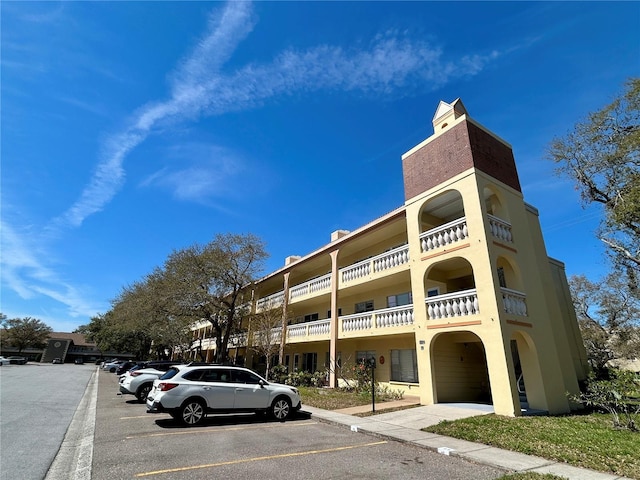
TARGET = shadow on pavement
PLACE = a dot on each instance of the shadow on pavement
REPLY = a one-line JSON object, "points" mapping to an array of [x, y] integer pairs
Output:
{"points": [[225, 420]]}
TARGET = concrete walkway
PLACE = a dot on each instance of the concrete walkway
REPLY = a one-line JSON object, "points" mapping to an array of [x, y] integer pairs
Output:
{"points": [[406, 426]]}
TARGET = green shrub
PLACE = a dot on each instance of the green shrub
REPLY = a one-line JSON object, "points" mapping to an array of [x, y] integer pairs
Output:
{"points": [[306, 379], [278, 373], [619, 396]]}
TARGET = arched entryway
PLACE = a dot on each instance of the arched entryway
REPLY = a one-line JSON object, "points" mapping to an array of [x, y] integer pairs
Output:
{"points": [[527, 371], [460, 370]]}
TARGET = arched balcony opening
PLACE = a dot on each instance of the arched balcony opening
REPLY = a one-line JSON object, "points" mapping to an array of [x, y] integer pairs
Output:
{"points": [[442, 221], [498, 215], [450, 290], [514, 299]]}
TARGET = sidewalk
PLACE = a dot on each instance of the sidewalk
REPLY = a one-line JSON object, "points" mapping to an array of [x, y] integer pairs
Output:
{"points": [[406, 426]]}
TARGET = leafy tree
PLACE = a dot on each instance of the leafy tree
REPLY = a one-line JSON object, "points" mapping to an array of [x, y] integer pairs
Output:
{"points": [[109, 335], [209, 282], [201, 282], [145, 311], [26, 332], [602, 156], [266, 329], [608, 313]]}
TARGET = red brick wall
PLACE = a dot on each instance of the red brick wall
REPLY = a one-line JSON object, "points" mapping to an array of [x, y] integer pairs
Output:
{"points": [[456, 150]]}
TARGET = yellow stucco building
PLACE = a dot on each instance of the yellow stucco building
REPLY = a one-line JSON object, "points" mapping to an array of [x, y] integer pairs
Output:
{"points": [[453, 293]]}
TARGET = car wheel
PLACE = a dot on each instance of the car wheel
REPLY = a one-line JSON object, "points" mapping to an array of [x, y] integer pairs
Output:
{"points": [[112, 370], [143, 392], [192, 413], [281, 408]]}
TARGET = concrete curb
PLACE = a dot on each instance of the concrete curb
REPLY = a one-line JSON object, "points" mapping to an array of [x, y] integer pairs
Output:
{"points": [[474, 452], [75, 456]]}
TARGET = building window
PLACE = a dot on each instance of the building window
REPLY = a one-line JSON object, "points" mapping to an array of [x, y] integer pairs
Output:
{"points": [[404, 366], [329, 313], [400, 299], [287, 359], [309, 362], [433, 292], [365, 356], [296, 362], [312, 317], [364, 306]]}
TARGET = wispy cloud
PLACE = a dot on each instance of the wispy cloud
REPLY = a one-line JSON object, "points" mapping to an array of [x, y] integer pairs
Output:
{"points": [[28, 276], [392, 64], [199, 172], [200, 87]]}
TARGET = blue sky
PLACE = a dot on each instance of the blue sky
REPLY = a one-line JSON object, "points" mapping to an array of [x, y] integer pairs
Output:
{"points": [[130, 129]]}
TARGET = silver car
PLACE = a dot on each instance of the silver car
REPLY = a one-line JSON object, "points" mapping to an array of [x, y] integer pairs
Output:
{"points": [[138, 381], [188, 393]]}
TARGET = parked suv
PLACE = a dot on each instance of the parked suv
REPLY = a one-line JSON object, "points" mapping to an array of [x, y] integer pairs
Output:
{"points": [[139, 381], [188, 393]]}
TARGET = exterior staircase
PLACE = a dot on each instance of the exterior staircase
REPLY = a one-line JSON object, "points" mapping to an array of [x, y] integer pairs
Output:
{"points": [[56, 348]]}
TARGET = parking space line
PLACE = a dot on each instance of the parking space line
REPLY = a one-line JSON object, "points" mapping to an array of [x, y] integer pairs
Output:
{"points": [[193, 431], [143, 416], [258, 459]]}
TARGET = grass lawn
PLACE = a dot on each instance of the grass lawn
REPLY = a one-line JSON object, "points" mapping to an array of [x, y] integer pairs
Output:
{"points": [[587, 441]]}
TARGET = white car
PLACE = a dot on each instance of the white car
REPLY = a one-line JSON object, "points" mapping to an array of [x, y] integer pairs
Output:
{"points": [[4, 361], [139, 382], [188, 393]]}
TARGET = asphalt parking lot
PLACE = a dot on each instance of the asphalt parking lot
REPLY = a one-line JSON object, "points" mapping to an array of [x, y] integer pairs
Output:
{"points": [[130, 443]]}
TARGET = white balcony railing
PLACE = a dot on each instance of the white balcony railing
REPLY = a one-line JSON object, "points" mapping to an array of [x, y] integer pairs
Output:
{"points": [[260, 337], [456, 304], [384, 318], [238, 340], [384, 261], [312, 286], [444, 235], [309, 329], [275, 299], [392, 258], [514, 302], [394, 317], [355, 271], [500, 229]]}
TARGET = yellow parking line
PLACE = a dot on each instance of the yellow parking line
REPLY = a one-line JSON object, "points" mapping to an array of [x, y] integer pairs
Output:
{"points": [[193, 431], [257, 459]]}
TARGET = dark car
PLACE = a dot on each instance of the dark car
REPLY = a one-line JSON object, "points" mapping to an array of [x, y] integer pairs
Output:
{"points": [[15, 360], [123, 367]]}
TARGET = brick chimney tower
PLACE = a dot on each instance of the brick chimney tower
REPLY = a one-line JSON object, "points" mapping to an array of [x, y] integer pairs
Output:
{"points": [[457, 144]]}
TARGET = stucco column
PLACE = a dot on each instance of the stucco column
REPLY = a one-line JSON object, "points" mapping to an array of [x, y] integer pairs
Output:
{"points": [[285, 308], [333, 331], [504, 391]]}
